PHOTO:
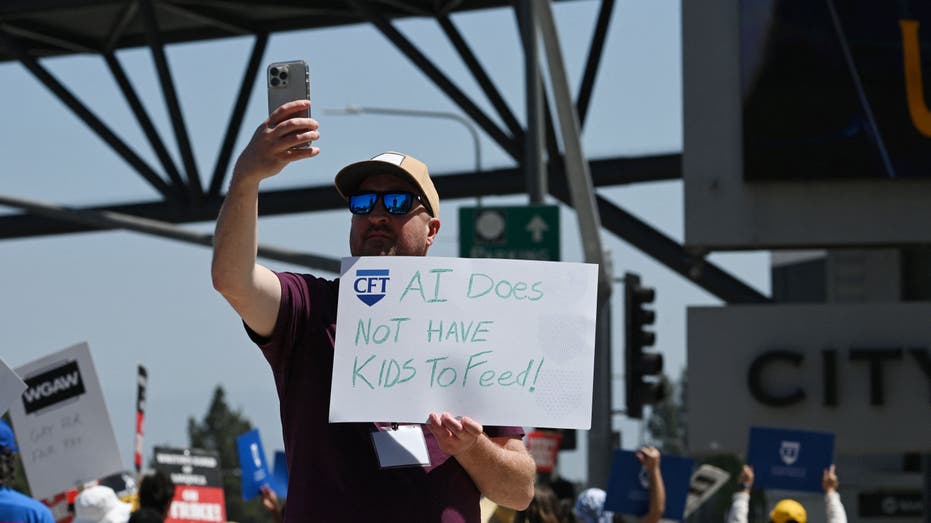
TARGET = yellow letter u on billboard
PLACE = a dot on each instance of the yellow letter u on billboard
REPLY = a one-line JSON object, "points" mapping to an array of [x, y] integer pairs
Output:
{"points": [[914, 87]]}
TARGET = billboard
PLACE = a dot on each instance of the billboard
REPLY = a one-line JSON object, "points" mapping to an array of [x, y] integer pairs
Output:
{"points": [[804, 125], [835, 89]]}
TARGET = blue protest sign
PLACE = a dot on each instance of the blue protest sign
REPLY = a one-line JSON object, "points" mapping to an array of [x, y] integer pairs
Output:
{"points": [[252, 463], [279, 480], [789, 459], [629, 485]]}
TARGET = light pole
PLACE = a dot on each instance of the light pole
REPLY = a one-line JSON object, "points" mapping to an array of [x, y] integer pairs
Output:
{"points": [[358, 109]]}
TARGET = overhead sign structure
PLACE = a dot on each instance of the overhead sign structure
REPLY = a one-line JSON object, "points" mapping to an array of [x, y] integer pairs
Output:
{"points": [[789, 459], [198, 484], [805, 127], [62, 425], [506, 342], [519, 232], [862, 371], [629, 485]]}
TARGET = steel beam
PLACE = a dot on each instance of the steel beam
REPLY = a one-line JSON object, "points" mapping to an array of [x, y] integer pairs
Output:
{"points": [[484, 81], [142, 116], [195, 191], [236, 117], [534, 172], [114, 220], [89, 119], [595, 51], [507, 143]]}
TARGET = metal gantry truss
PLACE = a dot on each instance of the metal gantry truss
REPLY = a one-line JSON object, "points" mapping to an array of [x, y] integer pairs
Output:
{"points": [[33, 29]]}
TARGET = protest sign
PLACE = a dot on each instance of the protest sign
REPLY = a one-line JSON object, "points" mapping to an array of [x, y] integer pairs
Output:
{"points": [[789, 459], [198, 486], [279, 479], [252, 464], [506, 342], [629, 485], [543, 446], [11, 387], [62, 425], [705, 481]]}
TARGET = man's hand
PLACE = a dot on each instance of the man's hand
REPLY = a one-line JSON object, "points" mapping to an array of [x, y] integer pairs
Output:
{"points": [[746, 478], [829, 480], [271, 503], [649, 457], [454, 434], [273, 142]]}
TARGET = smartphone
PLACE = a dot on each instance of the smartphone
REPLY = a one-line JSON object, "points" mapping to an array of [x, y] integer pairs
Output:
{"points": [[288, 81]]}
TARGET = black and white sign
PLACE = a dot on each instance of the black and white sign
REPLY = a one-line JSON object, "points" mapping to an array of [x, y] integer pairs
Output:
{"points": [[53, 387], [199, 468], [62, 424], [891, 504]]}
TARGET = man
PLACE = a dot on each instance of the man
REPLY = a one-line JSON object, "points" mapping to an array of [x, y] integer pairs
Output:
{"points": [[16, 507], [156, 491], [788, 510], [589, 507], [334, 472]]}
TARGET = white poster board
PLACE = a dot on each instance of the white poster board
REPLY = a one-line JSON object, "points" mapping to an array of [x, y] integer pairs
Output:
{"points": [[11, 387], [505, 342], [62, 425]]}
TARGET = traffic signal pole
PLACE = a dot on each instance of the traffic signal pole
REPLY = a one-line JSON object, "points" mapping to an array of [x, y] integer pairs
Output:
{"points": [[582, 191]]}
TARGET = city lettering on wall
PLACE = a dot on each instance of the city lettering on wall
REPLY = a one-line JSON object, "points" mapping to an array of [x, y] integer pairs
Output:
{"points": [[878, 360], [835, 89], [861, 371]]}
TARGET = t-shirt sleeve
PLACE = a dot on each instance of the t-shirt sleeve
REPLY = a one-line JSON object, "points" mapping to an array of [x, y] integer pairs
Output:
{"points": [[294, 310], [497, 432]]}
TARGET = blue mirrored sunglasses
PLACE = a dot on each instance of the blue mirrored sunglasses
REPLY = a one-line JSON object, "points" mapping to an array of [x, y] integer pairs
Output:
{"points": [[396, 202]]}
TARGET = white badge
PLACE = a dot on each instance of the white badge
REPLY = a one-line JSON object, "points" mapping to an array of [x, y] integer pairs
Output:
{"points": [[404, 446]]}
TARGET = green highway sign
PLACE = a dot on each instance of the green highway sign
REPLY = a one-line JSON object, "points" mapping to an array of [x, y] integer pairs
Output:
{"points": [[529, 232]]}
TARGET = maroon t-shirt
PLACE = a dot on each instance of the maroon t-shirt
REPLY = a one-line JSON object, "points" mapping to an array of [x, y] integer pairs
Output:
{"points": [[334, 473]]}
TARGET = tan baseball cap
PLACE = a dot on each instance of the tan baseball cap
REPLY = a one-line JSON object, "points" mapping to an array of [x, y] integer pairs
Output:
{"points": [[410, 168]]}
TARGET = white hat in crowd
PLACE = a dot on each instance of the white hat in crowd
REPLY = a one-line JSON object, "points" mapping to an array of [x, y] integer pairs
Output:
{"points": [[99, 504]]}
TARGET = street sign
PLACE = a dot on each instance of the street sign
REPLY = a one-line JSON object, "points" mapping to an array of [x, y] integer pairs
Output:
{"points": [[521, 232]]}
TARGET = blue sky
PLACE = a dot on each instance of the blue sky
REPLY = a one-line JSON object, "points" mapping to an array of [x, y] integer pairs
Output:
{"points": [[139, 299]]}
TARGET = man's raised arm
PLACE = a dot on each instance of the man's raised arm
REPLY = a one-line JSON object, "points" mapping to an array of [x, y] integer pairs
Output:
{"points": [[252, 289]]}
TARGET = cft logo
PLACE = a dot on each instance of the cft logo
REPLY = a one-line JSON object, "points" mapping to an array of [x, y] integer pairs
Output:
{"points": [[371, 285]]}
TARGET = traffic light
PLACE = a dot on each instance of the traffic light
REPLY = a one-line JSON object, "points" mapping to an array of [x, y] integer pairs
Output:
{"points": [[637, 363]]}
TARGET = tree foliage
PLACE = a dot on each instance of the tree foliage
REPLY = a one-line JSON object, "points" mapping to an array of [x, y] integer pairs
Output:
{"points": [[667, 422], [218, 431]]}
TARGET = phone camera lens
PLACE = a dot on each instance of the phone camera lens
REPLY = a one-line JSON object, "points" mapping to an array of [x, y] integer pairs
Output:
{"points": [[274, 82], [283, 75], [273, 71]]}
